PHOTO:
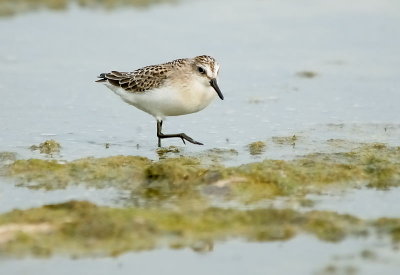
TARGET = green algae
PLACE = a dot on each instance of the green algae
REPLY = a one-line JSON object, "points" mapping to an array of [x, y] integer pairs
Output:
{"points": [[374, 165], [215, 156], [171, 179], [389, 226], [173, 198], [291, 140], [175, 170], [306, 202], [271, 178], [208, 157], [82, 228], [306, 74], [12, 7], [48, 147], [333, 269], [257, 147], [368, 254], [7, 156], [165, 152], [52, 174]]}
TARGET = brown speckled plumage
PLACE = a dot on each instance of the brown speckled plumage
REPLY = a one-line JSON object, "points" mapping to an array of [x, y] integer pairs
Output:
{"points": [[152, 76], [206, 59], [180, 87]]}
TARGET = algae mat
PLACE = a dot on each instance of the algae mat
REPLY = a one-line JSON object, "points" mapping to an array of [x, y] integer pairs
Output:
{"points": [[374, 165], [82, 228], [13, 7], [179, 195]]}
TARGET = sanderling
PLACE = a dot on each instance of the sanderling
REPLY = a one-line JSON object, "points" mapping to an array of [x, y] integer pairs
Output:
{"points": [[175, 88]]}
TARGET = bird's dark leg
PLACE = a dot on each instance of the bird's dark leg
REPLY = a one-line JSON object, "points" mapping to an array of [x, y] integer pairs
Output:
{"points": [[183, 136], [159, 127]]}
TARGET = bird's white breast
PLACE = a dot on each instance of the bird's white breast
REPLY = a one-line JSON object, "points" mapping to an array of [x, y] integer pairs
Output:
{"points": [[169, 100]]}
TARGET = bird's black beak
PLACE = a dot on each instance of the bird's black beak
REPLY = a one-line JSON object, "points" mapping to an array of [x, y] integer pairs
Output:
{"points": [[213, 83]]}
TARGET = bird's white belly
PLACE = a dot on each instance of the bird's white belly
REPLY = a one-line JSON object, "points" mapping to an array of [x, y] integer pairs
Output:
{"points": [[162, 102]]}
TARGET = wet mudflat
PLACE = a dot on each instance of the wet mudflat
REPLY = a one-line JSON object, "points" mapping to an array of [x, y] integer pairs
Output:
{"points": [[300, 163]]}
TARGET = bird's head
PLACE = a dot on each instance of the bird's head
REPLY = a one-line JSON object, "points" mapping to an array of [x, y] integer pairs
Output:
{"points": [[206, 68]]}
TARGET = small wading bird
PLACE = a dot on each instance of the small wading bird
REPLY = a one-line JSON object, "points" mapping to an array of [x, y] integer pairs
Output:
{"points": [[175, 88]]}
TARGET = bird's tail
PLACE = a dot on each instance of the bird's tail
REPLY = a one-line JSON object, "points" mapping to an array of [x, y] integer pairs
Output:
{"points": [[102, 78]]}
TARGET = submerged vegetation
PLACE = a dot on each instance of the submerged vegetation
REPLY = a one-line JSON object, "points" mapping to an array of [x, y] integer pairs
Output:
{"points": [[376, 165], [48, 147], [7, 157], [257, 147], [306, 74], [164, 152], [11, 7], [173, 201], [81, 228], [285, 140]]}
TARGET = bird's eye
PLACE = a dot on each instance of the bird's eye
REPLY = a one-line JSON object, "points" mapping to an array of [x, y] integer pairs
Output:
{"points": [[201, 70]]}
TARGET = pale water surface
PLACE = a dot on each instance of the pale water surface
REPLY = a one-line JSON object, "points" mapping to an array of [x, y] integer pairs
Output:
{"points": [[49, 61]]}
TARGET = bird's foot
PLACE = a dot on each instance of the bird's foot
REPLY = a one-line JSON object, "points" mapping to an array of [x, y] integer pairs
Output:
{"points": [[182, 136], [186, 137]]}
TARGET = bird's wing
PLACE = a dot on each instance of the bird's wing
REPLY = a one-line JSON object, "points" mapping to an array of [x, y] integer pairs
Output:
{"points": [[140, 80]]}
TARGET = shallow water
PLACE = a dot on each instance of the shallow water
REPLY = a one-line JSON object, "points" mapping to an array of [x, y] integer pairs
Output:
{"points": [[235, 257], [48, 72], [50, 59], [14, 197]]}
